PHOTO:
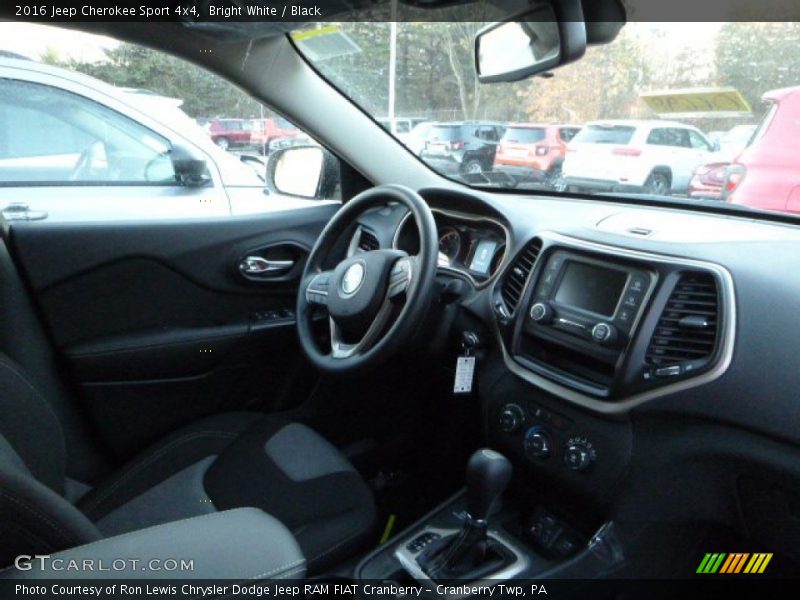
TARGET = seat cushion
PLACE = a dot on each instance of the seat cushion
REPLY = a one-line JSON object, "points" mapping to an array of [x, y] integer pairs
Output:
{"points": [[298, 477], [243, 460]]}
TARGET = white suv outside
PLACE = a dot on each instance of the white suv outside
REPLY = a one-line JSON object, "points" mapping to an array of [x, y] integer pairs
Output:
{"points": [[654, 157]]}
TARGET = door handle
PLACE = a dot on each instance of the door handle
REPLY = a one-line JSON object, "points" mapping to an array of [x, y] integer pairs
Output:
{"points": [[19, 211], [258, 265]]}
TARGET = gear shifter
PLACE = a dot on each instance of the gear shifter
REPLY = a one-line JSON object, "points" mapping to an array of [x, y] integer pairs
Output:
{"points": [[470, 553], [488, 474]]}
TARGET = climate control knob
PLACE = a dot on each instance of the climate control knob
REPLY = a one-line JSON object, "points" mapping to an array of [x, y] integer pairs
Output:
{"points": [[578, 456], [604, 333], [537, 443], [541, 312], [512, 418]]}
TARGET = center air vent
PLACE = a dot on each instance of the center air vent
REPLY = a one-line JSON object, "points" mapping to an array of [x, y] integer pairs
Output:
{"points": [[367, 241], [517, 275], [688, 329]]}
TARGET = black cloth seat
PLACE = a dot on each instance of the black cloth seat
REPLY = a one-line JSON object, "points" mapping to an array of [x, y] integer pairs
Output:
{"points": [[226, 461]]}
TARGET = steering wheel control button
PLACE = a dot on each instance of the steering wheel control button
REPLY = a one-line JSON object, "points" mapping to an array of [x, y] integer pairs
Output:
{"points": [[512, 418], [353, 279], [542, 312], [399, 277], [317, 290], [579, 454], [604, 333], [537, 443]]}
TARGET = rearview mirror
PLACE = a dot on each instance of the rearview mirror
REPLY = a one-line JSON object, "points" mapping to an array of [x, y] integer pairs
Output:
{"points": [[533, 42]]}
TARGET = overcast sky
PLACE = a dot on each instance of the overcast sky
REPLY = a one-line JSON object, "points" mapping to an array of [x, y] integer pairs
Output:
{"points": [[33, 40]]}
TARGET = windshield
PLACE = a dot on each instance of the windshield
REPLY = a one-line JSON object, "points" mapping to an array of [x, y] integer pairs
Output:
{"points": [[523, 135], [640, 115], [605, 134]]}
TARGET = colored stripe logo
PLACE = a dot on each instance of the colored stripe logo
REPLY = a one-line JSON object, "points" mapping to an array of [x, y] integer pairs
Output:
{"points": [[736, 562]]}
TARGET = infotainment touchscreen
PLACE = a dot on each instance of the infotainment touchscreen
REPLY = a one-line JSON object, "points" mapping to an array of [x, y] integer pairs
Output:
{"points": [[590, 288]]}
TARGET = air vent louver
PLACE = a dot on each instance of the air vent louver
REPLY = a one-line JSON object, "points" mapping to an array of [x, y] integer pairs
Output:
{"points": [[517, 275], [688, 328], [367, 241]]}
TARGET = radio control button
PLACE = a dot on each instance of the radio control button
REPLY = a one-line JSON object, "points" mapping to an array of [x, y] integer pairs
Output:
{"points": [[604, 333], [632, 300], [541, 312], [625, 315], [554, 264], [638, 284]]}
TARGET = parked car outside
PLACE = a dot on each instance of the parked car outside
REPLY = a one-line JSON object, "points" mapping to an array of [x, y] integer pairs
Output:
{"points": [[766, 174], [230, 133], [400, 127], [708, 180], [266, 131], [534, 152], [462, 148], [416, 139], [654, 157], [76, 148]]}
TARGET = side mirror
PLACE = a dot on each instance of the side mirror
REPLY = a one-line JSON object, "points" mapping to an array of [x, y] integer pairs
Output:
{"points": [[715, 146], [549, 35], [190, 169], [304, 171]]}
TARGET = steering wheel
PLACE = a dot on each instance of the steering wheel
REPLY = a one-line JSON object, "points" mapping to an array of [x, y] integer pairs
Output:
{"points": [[363, 292]]}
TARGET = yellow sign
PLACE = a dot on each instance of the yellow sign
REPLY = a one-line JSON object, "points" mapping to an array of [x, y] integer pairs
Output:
{"points": [[698, 102], [299, 36]]}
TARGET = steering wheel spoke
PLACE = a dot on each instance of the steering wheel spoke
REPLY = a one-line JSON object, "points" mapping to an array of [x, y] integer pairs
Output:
{"points": [[340, 349], [401, 275], [316, 291]]}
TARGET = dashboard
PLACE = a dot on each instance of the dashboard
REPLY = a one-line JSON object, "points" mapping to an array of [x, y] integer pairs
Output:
{"points": [[621, 341]]}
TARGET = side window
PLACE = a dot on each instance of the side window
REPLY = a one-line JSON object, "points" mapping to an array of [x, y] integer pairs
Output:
{"points": [[697, 141], [48, 135], [488, 134], [656, 137], [681, 138], [669, 136], [567, 133]]}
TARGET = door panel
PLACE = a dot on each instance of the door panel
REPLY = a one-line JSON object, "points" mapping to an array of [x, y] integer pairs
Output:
{"points": [[156, 323]]}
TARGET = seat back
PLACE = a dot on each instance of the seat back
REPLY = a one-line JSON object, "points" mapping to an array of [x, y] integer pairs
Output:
{"points": [[39, 430], [24, 342], [34, 516]]}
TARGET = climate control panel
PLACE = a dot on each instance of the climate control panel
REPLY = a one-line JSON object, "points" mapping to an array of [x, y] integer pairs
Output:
{"points": [[547, 436]]}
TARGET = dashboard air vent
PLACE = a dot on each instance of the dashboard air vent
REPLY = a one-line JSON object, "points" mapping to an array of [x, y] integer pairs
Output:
{"points": [[686, 333], [367, 241], [518, 273]]}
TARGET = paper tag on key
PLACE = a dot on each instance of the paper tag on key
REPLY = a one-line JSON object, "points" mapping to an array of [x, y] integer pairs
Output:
{"points": [[465, 372]]}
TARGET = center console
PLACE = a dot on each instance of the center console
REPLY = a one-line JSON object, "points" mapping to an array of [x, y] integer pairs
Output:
{"points": [[586, 332], [473, 538]]}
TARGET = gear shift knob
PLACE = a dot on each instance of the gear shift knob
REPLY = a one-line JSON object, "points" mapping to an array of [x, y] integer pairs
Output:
{"points": [[488, 474]]}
